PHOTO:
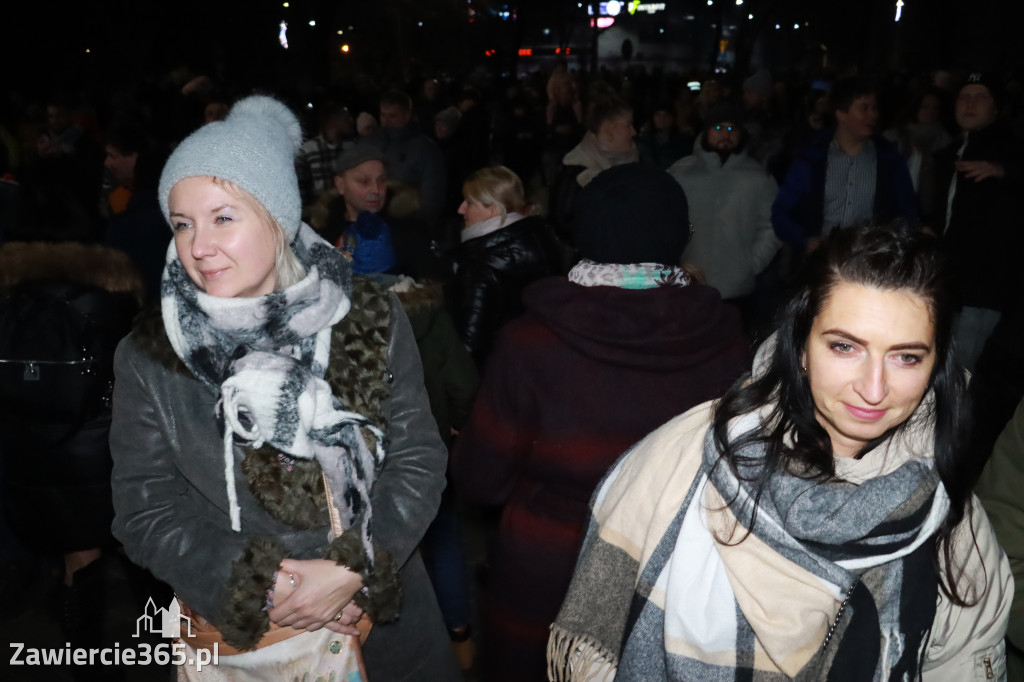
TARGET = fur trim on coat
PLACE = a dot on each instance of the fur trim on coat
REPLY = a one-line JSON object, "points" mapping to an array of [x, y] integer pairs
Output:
{"points": [[89, 264], [292, 490]]}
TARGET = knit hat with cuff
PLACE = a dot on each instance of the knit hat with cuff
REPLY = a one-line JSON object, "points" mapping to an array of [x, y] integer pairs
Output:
{"points": [[254, 148]]}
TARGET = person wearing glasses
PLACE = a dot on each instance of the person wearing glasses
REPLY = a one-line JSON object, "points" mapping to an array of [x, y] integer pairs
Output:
{"points": [[847, 175], [730, 197]]}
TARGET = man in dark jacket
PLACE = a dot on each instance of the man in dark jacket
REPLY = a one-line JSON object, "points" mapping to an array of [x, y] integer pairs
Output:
{"points": [[413, 159], [978, 214], [847, 175]]}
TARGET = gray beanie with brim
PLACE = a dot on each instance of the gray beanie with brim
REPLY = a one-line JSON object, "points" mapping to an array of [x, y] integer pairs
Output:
{"points": [[254, 148]]}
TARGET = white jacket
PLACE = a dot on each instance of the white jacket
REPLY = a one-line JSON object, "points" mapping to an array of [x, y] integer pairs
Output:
{"points": [[730, 209]]}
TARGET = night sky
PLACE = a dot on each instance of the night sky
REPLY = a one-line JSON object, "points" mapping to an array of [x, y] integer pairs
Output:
{"points": [[127, 41]]}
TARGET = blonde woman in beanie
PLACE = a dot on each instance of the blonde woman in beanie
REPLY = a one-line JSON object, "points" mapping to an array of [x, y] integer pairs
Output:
{"points": [[275, 461]]}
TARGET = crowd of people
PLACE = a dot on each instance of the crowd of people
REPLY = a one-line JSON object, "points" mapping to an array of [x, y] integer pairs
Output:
{"points": [[718, 372]]}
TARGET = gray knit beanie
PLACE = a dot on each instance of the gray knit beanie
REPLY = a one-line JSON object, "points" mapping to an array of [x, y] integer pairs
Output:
{"points": [[254, 147]]}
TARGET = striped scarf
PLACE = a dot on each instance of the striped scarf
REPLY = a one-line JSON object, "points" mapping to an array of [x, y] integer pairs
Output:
{"points": [[267, 358], [834, 581]]}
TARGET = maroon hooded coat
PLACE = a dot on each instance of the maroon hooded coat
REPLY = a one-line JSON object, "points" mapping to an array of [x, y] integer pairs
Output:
{"points": [[570, 386]]}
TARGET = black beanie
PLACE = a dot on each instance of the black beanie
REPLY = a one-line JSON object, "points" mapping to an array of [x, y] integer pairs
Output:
{"points": [[725, 112], [631, 213]]}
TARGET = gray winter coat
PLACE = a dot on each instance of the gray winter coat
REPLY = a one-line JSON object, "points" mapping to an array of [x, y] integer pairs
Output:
{"points": [[171, 502]]}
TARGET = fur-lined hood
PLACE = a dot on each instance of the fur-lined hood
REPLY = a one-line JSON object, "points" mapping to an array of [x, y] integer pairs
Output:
{"points": [[88, 264]]}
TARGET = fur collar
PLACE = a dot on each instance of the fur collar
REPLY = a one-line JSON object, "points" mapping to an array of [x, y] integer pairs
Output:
{"points": [[358, 375], [88, 264]]}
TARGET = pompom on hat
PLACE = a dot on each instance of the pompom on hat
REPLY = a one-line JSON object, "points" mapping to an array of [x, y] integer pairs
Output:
{"points": [[254, 148]]}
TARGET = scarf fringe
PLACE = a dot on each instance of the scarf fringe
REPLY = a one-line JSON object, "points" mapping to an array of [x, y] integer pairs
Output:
{"points": [[235, 511], [572, 657]]}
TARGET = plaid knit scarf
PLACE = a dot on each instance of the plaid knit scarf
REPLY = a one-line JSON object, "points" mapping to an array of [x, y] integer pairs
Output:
{"points": [[834, 581], [267, 357]]}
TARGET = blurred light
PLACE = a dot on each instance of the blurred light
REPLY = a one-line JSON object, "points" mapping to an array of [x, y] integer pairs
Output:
{"points": [[711, 2], [750, 16], [284, 4], [420, 24], [345, 48], [340, 32], [309, 105], [312, 22], [796, 25], [605, 22], [526, 52], [694, 86], [88, 51], [739, 2], [613, 7], [777, 27], [661, 30], [547, 31], [282, 36], [899, 9]]}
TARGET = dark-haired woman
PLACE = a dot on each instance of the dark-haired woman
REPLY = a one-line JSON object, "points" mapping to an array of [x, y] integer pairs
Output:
{"points": [[817, 521]]}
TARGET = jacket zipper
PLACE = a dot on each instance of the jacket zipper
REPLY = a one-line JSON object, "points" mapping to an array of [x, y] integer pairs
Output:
{"points": [[989, 673]]}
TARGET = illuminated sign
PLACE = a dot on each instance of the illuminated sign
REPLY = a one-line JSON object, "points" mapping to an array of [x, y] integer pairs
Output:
{"points": [[646, 7]]}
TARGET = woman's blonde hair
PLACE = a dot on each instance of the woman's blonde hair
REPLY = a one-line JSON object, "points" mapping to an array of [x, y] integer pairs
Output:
{"points": [[287, 268], [496, 186]]}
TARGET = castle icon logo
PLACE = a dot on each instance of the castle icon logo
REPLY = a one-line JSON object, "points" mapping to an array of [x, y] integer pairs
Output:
{"points": [[163, 622]]}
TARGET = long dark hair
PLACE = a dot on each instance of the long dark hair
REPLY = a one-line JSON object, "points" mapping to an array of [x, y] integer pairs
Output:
{"points": [[889, 257]]}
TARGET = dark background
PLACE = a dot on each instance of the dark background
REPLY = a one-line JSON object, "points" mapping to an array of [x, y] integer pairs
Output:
{"points": [[131, 42]]}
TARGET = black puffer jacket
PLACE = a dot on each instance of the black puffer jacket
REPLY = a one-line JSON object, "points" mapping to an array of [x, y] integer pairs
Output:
{"points": [[491, 273]]}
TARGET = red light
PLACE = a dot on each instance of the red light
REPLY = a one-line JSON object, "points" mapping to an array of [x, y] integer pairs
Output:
{"points": [[526, 52], [567, 50], [558, 50]]}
